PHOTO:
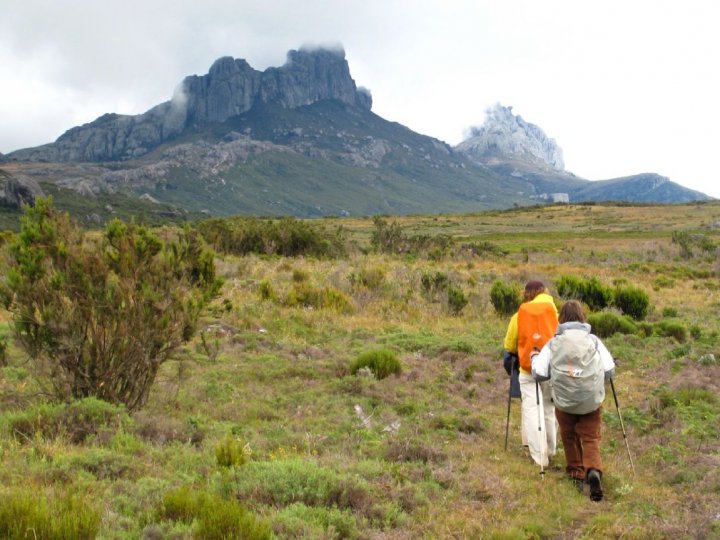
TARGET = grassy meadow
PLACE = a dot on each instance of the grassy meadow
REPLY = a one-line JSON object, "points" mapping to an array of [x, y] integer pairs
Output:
{"points": [[261, 421]]}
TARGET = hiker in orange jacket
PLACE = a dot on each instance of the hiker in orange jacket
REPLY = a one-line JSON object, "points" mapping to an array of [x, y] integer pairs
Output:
{"points": [[529, 329]]}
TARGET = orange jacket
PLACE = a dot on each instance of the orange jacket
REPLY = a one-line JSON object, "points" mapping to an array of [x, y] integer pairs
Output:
{"points": [[541, 309]]}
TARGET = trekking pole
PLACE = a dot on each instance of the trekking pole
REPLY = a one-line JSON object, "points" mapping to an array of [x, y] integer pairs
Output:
{"points": [[622, 426], [541, 436], [507, 423]]}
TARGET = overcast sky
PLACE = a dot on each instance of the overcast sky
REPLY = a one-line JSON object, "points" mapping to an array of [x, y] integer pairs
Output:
{"points": [[623, 86]]}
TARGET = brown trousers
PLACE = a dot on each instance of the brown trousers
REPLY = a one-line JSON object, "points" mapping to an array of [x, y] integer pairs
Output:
{"points": [[580, 435]]}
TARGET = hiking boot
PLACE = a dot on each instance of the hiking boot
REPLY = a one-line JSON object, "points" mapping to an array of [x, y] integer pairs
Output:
{"points": [[593, 480]]}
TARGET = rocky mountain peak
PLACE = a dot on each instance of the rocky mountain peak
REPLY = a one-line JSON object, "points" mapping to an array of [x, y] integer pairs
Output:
{"points": [[506, 135], [231, 87]]}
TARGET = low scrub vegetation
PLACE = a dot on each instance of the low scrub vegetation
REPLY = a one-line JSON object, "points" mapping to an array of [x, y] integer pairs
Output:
{"points": [[350, 384], [288, 237], [211, 516], [53, 517]]}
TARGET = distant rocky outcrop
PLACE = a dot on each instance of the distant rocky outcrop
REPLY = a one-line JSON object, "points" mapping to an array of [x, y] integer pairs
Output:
{"points": [[505, 135], [231, 87], [15, 192], [514, 148]]}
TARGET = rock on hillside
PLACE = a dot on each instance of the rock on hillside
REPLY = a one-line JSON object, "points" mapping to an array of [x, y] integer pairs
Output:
{"points": [[506, 135], [512, 147], [230, 88], [17, 191]]}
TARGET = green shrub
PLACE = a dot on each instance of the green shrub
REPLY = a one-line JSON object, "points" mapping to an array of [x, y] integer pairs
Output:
{"points": [[481, 248], [371, 277], [179, 505], [663, 282], [591, 291], [266, 290], [289, 237], [390, 238], [294, 480], [697, 408], [30, 513], [696, 332], [433, 283], [99, 314], [230, 452], [214, 518], [632, 301], [687, 242], [77, 421], [670, 328], [669, 312], [606, 323], [596, 295], [570, 287], [435, 247], [387, 237], [298, 276], [683, 239], [103, 464], [306, 295], [382, 362], [301, 521], [645, 329], [505, 298], [456, 299]]}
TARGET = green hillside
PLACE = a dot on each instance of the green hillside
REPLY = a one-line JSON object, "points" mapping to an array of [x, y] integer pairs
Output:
{"points": [[638, 188], [316, 176]]}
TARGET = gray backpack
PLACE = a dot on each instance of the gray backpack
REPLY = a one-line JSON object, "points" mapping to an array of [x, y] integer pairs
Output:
{"points": [[576, 371]]}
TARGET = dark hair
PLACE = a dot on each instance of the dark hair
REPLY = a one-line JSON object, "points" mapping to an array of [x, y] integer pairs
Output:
{"points": [[572, 310], [532, 289]]}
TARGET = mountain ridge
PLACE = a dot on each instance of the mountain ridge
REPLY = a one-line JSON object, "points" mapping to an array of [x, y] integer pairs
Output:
{"points": [[302, 139], [231, 87]]}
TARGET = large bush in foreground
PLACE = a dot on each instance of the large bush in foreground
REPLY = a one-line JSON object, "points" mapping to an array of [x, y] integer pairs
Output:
{"points": [[99, 314]]}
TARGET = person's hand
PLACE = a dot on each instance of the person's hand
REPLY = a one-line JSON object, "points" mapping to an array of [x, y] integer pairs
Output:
{"points": [[510, 362]]}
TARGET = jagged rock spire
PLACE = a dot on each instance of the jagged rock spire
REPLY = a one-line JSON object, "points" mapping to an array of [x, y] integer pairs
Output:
{"points": [[506, 135], [231, 87]]}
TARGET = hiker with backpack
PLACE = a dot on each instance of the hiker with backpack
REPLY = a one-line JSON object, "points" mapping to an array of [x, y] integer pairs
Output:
{"points": [[529, 329], [578, 364]]}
